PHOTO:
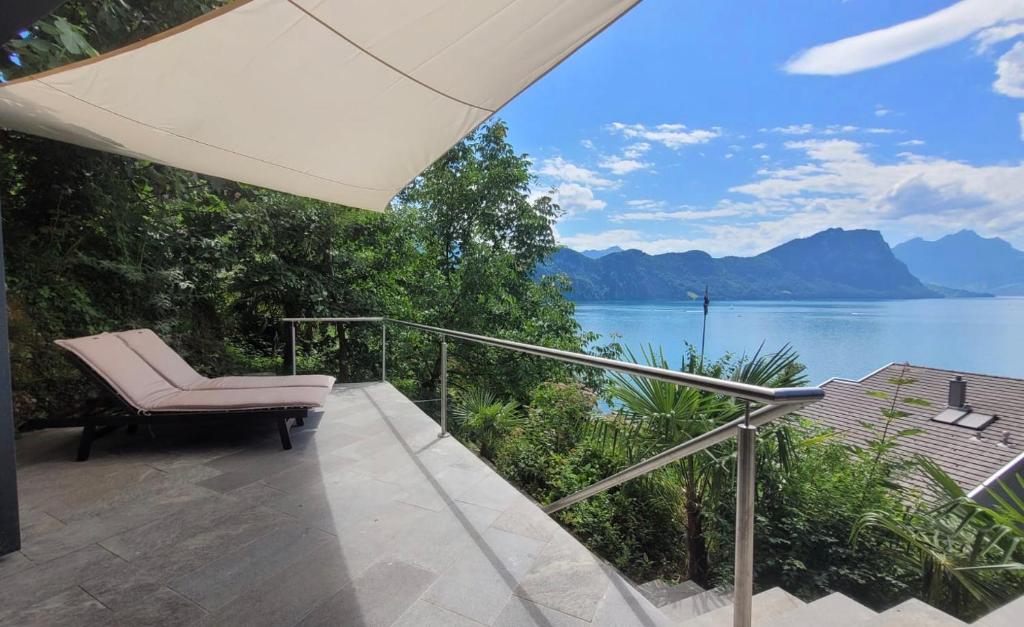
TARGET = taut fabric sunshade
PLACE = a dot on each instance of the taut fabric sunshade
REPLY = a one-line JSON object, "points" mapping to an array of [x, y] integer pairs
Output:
{"points": [[341, 100]]}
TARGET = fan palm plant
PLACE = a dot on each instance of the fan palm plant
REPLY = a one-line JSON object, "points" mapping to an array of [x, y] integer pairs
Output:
{"points": [[485, 419], [968, 554], [656, 415]]}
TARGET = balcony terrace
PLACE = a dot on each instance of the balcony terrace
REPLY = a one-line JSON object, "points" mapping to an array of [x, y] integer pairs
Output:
{"points": [[370, 519]]}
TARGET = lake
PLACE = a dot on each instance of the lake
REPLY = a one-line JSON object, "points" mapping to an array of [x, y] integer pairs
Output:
{"points": [[834, 338]]}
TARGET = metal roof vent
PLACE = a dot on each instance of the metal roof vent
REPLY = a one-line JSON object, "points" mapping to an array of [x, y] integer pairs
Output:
{"points": [[959, 413]]}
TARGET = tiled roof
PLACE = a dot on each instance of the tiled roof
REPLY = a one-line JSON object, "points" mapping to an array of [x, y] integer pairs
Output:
{"points": [[970, 457]]}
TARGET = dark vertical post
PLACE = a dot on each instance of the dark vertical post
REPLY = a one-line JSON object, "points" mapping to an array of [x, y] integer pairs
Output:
{"points": [[444, 387], [384, 349], [342, 349], [288, 330], [10, 525]]}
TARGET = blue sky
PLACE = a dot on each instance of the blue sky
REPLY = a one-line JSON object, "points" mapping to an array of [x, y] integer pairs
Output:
{"points": [[735, 126]]}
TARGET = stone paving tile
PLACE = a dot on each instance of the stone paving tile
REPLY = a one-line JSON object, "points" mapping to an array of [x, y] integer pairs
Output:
{"points": [[119, 587], [14, 563], [566, 577], [129, 510], [71, 606], [624, 605], [434, 540], [25, 589], [188, 540], [483, 577], [521, 612], [525, 518], [423, 614], [377, 597], [297, 478], [493, 492], [163, 608], [218, 583], [454, 481], [285, 598], [370, 517]]}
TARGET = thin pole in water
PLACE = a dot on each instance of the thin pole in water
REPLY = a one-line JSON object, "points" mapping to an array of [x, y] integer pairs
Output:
{"points": [[704, 329]]}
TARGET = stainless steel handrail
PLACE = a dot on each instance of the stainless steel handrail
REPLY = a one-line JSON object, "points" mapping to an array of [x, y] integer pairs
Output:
{"points": [[357, 319], [778, 402], [735, 389], [693, 445]]}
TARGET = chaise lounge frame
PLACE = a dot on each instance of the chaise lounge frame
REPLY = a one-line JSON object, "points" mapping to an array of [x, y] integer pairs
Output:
{"points": [[97, 417]]}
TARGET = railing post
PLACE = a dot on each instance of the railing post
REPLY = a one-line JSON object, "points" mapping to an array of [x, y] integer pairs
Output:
{"points": [[289, 348], [444, 387], [743, 578], [384, 350], [342, 349]]}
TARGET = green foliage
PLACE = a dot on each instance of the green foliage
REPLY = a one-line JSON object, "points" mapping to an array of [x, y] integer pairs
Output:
{"points": [[482, 418], [550, 455], [804, 519], [657, 415], [968, 556]]}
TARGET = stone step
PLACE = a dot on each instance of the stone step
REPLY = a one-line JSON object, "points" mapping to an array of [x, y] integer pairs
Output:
{"points": [[1007, 616], [766, 606], [661, 593], [914, 613], [700, 603], [834, 610]]}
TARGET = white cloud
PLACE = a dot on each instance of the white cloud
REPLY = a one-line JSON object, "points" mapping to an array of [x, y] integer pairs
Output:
{"points": [[683, 214], [765, 158], [620, 165], [729, 155], [586, 143], [760, 146], [989, 37], [913, 142], [836, 129], [881, 111], [575, 198], [1021, 126], [672, 136], [902, 41], [645, 203], [563, 170], [792, 129], [1010, 72], [634, 151], [916, 193]]}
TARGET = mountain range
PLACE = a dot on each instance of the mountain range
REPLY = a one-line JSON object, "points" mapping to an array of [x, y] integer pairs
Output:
{"points": [[966, 260], [832, 264]]}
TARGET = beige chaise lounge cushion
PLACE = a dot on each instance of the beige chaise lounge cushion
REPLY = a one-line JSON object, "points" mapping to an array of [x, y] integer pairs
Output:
{"points": [[145, 389], [176, 370]]}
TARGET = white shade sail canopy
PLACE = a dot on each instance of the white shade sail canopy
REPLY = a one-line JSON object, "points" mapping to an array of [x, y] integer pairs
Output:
{"points": [[340, 100]]}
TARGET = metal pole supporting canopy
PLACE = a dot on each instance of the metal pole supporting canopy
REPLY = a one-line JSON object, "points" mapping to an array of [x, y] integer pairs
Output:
{"points": [[10, 533]]}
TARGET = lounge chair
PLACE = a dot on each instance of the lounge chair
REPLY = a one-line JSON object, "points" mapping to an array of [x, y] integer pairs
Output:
{"points": [[142, 394], [176, 370]]}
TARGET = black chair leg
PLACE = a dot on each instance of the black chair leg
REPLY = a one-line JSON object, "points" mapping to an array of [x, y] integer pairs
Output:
{"points": [[85, 443], [300, 421], [286, 439]]}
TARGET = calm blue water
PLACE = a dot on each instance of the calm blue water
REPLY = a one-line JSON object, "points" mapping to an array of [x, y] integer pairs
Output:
{"points": [[834, 338]]}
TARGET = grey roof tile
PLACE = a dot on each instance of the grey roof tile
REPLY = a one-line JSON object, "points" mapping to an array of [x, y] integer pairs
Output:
{"points": [[970, 457]]}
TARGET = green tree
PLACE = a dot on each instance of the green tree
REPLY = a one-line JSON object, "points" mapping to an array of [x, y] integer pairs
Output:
{"points": [[658, 415], [482, 236]]}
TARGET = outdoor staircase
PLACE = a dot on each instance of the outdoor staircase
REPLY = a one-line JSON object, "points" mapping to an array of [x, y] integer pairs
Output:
{"points": [[687, 604]]}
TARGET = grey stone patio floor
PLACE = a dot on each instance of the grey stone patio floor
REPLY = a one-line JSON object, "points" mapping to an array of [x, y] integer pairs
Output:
{"points": [[369, 520]]}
